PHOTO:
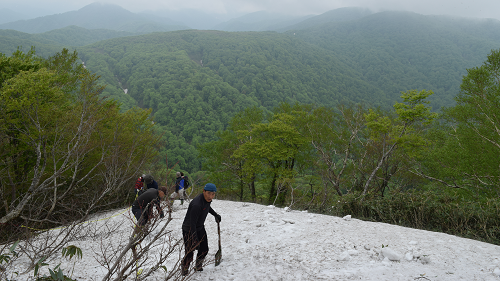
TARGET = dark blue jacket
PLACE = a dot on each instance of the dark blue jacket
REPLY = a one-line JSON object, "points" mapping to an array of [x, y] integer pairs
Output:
{"points": [[154, 185]]}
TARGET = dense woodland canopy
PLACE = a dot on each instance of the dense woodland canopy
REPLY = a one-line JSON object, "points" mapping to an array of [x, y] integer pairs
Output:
{"points": [[325, 110], [66, 151], [195, 81]]}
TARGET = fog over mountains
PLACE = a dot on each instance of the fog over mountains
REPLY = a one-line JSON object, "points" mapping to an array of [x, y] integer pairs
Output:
{"points": [[170, 61], [114, 17]]}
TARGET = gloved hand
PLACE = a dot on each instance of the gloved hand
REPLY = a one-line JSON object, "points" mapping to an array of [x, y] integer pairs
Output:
{"points": [[162, 215], [217, 218]]}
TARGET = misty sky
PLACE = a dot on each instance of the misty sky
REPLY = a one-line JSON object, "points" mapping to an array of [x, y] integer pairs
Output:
{"points": [[464, 8]]}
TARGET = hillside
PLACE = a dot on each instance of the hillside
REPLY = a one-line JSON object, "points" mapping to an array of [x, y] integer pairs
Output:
{"points": [[337, 15], [398, 51], [96, 16], [11, 40], [196, 80], [260, 21], [71, 36]]}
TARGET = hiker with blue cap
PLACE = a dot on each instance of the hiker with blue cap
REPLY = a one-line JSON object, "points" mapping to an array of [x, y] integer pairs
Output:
{"points": [[193, 228]]}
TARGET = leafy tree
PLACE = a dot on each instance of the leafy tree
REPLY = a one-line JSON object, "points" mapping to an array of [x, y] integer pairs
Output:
{"points": [[61, 141], [277, 144], [220, 158], [336, 135], [467, 142], [403, 132]]}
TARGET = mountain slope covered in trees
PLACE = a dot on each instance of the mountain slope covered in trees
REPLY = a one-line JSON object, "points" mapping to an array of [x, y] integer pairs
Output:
{"points": [[196, 80], [398, 51], [96, 16]]}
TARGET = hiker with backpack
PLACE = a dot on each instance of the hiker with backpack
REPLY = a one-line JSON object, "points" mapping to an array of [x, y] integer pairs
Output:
{"points": [[193, 228], [181, 184], [139, 183], [142, 208]]}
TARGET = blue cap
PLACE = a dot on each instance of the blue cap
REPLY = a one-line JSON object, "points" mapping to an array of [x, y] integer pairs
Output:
{"points": [[210, 187]]}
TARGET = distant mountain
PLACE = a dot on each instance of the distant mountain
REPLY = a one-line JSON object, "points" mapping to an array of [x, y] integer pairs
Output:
{"points": [[337, 15], [195, 19], [96, 16], [7, 15], [11, 40], [196, 80], [398, 51], [79, 36], [260, 21], [69, 37]]}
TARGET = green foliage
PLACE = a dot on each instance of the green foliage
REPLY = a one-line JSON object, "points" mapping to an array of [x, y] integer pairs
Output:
{"points": [[337, 135], [11, 40], [78, 36], [56, 134], [466, 143], [38, 265], [393, 141], [57, 273], [6, 258], [225, 170], [427, 210], [195, 81], [70, 251], [214, 90], [399, 51]]}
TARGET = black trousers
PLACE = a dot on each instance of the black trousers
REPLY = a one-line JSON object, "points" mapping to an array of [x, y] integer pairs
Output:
{"points": [[138, 212], [190, 246]]}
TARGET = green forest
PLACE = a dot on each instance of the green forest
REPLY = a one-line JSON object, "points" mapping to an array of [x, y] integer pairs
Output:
{"points": [[388, 117], [195, 81]]}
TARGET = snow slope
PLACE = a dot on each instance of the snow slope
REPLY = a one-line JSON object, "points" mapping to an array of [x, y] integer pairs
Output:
{"points": [[268, 243]]}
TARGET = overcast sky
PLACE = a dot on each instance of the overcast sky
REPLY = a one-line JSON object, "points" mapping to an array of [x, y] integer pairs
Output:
{"points": [[465, 8]]}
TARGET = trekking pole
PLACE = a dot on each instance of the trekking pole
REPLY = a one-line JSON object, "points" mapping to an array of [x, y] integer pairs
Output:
{"points": [[218, 255]]}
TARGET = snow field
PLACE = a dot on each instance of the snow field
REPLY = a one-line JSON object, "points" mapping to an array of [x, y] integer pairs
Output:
{"points": [[268, 243]]}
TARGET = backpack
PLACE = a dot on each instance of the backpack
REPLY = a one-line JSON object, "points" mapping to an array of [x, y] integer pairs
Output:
{"points": [[186, 182]]}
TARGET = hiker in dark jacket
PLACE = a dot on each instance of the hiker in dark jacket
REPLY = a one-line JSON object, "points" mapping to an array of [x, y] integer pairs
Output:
{"points": [[193, 228], [150, 183], [180, 187], [142, 208], [143, 205]]}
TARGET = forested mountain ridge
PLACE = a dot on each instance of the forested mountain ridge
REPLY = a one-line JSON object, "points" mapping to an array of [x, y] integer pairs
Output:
{"points": [[337, 15], [398, 51], [96, 16], [268, 67], [11, 40], [70, 36], [195, 81], [261, 21]]}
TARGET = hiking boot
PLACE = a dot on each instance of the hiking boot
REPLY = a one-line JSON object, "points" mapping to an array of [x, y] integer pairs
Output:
{"points": [[185, 271], [182, 201], [199, 265]]}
